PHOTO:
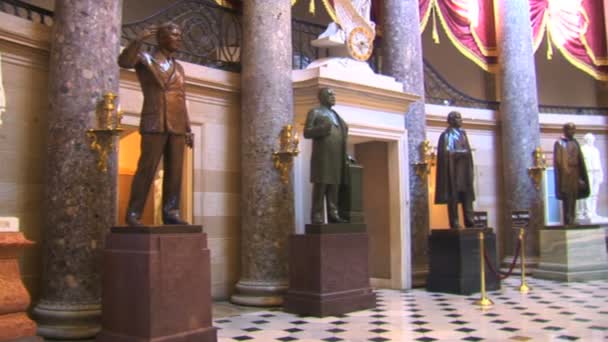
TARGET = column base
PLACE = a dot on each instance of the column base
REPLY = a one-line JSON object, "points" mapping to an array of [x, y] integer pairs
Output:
{"points": [[258, 293], [58, 321], [420, 274]]}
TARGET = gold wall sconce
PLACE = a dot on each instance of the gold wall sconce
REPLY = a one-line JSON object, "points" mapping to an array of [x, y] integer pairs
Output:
{"points": [[108, 126], [540, 164], [427, 155], [283, 159]]}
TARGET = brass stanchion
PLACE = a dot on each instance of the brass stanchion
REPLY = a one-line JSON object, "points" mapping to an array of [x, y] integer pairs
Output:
{"points": [[484, 301], [523, 288]]}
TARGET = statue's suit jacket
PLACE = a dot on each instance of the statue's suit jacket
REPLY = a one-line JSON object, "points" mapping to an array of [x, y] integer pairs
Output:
{"points": [[328, 159], [446, 184], [570, 170], [164, 109]]}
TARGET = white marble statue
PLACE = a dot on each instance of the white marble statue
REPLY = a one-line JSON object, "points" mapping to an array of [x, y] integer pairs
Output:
{"points": [[587, 208], [2, 94]]}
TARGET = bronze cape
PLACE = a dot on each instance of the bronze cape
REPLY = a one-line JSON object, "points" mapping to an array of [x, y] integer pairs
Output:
{"points": [[571, 179], [454, 179]]}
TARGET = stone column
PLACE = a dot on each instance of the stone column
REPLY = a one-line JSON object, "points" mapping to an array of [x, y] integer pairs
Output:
{"points": [[402, 59], [266, 106], [520, 130], [80, 199]]}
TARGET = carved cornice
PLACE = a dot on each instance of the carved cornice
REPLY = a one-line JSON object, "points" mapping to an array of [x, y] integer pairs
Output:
{"points": [[351, 92]]}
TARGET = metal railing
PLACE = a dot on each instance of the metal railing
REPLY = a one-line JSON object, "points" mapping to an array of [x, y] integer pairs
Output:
{"points": [[211, 33], [212, 37]]}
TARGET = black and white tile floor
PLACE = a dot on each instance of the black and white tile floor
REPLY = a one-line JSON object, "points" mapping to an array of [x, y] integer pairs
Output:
{"points": [[551, 311]]}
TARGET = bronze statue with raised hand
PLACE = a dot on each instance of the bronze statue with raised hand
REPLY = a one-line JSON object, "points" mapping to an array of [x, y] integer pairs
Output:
{"points": [[164, 126], [328, 160]]}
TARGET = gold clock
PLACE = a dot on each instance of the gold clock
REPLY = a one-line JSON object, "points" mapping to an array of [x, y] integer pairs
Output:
{"points": [[360, 43]]}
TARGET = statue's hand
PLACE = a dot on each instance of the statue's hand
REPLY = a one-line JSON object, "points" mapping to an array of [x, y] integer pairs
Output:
{"points": [[147, 33], [190, 139]]}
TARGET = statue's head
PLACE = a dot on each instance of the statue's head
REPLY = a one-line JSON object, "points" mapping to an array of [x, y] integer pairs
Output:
{"points": [[454, 119], [327, 97], [589, 139], [169, 36], [569, 130]]}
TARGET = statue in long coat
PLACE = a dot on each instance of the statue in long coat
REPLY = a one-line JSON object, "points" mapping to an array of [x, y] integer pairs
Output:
{"points": [[328, 160], [454, 181], [571, 180]]}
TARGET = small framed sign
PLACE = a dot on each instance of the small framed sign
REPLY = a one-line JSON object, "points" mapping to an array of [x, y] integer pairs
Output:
{"points": [[480, 219], [520, 218]]}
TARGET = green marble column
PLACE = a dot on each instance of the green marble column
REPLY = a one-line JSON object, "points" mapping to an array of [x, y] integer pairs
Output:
{"points": [[80, 199], [266, 106]]}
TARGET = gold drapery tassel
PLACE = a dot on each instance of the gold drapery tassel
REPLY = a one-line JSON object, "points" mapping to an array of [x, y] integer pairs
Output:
{"points": [[293, 2], [311, 7], [549, 44], [435, 34]]}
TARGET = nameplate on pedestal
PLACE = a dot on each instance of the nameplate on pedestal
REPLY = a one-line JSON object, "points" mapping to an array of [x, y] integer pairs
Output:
{"points": [[9, 224], [480, 219], [520, 218]]}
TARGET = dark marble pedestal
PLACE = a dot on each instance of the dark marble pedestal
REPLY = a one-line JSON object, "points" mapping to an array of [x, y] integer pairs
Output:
{"points": [[156, 285], [454, 261], [329, 273]]}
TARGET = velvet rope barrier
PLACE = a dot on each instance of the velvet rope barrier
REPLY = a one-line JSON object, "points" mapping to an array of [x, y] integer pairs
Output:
{"points": [[499, 274]]}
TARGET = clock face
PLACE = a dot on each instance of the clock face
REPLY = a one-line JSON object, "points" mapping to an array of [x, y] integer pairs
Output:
{"points": [[360, 43]]}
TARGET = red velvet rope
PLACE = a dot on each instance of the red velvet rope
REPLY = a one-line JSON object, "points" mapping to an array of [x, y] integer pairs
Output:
{"points": [[499, 274]]}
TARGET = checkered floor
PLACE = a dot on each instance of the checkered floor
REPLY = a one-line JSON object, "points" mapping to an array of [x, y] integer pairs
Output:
{"points": [[551, 311]]}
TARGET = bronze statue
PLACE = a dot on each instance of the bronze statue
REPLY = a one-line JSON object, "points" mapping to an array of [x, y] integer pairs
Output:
{"points": [[455, 172], [571, 180], [164, 126], [328, 159]]}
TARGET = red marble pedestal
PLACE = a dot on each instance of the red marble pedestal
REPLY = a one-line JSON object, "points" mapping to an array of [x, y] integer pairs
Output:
{"points": [[14, 298], [328, 273], [156, 285]]}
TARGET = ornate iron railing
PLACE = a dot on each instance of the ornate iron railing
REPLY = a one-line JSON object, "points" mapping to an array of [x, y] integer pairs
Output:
{"points": [[573, 110], [437, 90], [213, 34], [303, 52], [27, 11]]}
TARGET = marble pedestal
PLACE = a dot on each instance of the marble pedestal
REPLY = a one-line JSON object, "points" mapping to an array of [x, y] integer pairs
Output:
{"points": [[454, 261], [14, 298], [329, 272], [156, 285], [575, 253]]}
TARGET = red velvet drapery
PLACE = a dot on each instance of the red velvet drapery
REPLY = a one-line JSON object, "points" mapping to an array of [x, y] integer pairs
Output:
{"points": [[469, 24], [576, 28]]}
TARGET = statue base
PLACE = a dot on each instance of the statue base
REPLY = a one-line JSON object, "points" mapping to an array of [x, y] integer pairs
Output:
{"points": [[573, 253], [329, 273], [156, 285], [454, 264], [14, 301]]}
